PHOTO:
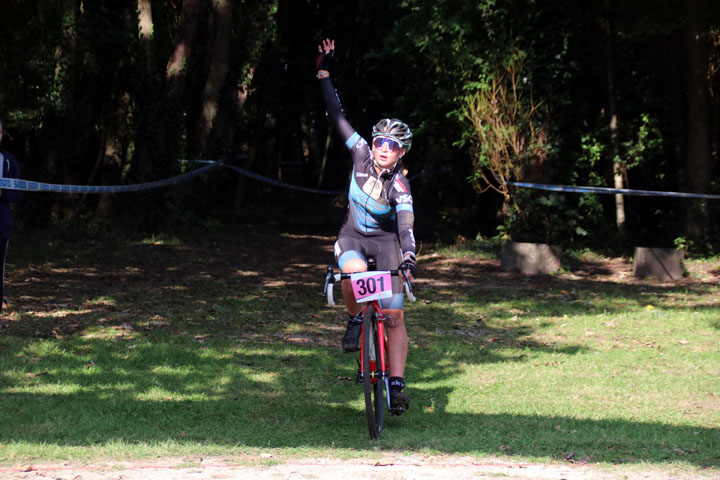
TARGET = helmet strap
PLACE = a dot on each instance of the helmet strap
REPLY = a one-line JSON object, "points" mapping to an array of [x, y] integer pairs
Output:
{"points": [[383, 171]]}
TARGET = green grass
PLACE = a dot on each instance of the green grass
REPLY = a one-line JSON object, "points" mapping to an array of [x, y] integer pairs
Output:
{"points": [[215, 349]]}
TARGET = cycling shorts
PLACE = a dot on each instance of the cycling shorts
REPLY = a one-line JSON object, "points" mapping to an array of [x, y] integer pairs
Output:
{"points": [[387, 253]]}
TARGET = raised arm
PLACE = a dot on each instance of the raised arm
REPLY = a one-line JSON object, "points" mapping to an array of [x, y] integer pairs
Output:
{"points": [[332, 101]]}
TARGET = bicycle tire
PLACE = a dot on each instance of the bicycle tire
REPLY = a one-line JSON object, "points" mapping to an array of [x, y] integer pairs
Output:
{"points": [[374, 391]]}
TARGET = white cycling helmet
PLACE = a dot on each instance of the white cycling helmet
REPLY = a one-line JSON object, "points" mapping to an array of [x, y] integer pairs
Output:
{"points": [[394, 128]]}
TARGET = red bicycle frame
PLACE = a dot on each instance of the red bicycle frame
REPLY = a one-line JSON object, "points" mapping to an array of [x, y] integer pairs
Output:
{"points": [[382, 345]]}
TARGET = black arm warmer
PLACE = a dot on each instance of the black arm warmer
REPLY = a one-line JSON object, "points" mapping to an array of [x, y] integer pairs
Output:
{"points": [[334, 110]]}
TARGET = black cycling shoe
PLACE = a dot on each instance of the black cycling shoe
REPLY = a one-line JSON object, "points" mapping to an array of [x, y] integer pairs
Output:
{"points": [[351, 340], [399, 402]]}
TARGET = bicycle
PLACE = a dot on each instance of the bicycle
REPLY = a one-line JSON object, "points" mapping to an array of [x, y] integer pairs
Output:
{"points": [[369, 287]]}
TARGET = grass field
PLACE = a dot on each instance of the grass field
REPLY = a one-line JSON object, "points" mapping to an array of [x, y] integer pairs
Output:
{"points": [[222, 346]]}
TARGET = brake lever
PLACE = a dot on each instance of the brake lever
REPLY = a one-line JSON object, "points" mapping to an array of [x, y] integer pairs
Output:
{"points": [[328, 278], [408, 285]]}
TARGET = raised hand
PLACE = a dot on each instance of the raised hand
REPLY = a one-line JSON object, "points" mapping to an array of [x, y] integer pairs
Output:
{"points": [[326, 50]]}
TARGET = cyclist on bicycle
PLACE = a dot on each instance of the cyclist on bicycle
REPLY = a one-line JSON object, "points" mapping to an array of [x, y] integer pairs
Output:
{"points": [[378, 222]]}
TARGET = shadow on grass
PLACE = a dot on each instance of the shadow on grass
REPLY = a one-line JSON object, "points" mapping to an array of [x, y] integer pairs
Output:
{"points": [[58, 288], [154, 381], [151, 391]]}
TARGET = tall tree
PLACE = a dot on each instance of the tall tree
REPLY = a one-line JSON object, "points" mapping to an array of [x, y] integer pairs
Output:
{"points": [[698, 114], [65, 109], [114, 154], [176, 72], [612, 119], [147, 96], [260, 28], [221, 27]]}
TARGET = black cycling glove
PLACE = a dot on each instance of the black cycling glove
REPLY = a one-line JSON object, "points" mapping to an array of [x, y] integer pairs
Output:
{"points": [[322, 62], [409, 264]]}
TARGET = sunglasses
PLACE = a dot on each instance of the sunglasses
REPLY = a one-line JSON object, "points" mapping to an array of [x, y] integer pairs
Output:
{"points": [[393, 145]]}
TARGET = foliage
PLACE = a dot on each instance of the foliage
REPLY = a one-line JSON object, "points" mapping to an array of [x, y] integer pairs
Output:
{"points": [[68, 68], [508, 140], [543, 218]]}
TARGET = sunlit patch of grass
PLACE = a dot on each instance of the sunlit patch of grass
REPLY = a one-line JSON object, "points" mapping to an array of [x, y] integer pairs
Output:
{"points": [[160, 239], [533, 370], [102, 300], [464, 248], [61, 313]]}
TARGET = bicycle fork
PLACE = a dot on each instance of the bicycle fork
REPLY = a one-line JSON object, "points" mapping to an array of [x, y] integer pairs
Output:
{"points": [[376, 373]]}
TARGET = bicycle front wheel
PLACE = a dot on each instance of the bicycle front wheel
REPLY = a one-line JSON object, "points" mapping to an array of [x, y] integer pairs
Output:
{"points": [[373, 383]]}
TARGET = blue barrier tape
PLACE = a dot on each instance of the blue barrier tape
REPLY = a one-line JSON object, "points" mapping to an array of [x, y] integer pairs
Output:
{"points": [[213, 162], [29, 186], [609, 191], [254, 175]]}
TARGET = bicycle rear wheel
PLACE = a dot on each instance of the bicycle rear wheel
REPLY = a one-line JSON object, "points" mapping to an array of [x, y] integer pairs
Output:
{"points": [[373, 383]]}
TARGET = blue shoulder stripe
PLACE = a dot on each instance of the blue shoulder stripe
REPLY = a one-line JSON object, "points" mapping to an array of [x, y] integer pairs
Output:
{"points": [[350, 142], [404, 206]]}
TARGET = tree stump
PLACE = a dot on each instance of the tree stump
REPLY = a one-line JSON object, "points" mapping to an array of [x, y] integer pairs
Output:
{"points": [[530, 258], [660, 263]]}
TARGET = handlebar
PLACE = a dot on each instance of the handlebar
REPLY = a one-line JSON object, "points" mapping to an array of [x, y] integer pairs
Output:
{"points": [[331, 278]]}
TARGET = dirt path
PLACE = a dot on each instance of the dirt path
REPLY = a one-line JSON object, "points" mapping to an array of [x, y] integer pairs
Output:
{"points": [[387, 468]]}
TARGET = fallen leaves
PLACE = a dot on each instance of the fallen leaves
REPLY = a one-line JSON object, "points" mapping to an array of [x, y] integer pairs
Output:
{"points": [[339, 377], [586, 459], [688, 451]]}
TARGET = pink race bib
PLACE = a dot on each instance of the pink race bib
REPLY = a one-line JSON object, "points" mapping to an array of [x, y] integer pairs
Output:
{"points": [[369, 286]]}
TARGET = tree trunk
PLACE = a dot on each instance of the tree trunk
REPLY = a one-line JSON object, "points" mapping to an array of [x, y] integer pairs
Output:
{"points": [[145, 22], [65, 66], [714, 79], [222, 20], [678, 109], [698, 117], [117, 133], [256, 36], [305, 143], [256, 141], [145, 31], [147, 98], [324, 161], [172, 124], [185, 38], [620, 221]]}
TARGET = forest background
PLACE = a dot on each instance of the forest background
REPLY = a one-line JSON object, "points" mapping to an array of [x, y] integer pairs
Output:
{"points": [[603, 93]]}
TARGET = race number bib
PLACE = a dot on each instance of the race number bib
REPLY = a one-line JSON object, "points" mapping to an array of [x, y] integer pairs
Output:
{"points": [[369, 286], [373, 189]]}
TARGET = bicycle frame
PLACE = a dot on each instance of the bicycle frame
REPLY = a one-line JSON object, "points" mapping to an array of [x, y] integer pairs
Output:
{"points": [[383, 372], [378, 323]]}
